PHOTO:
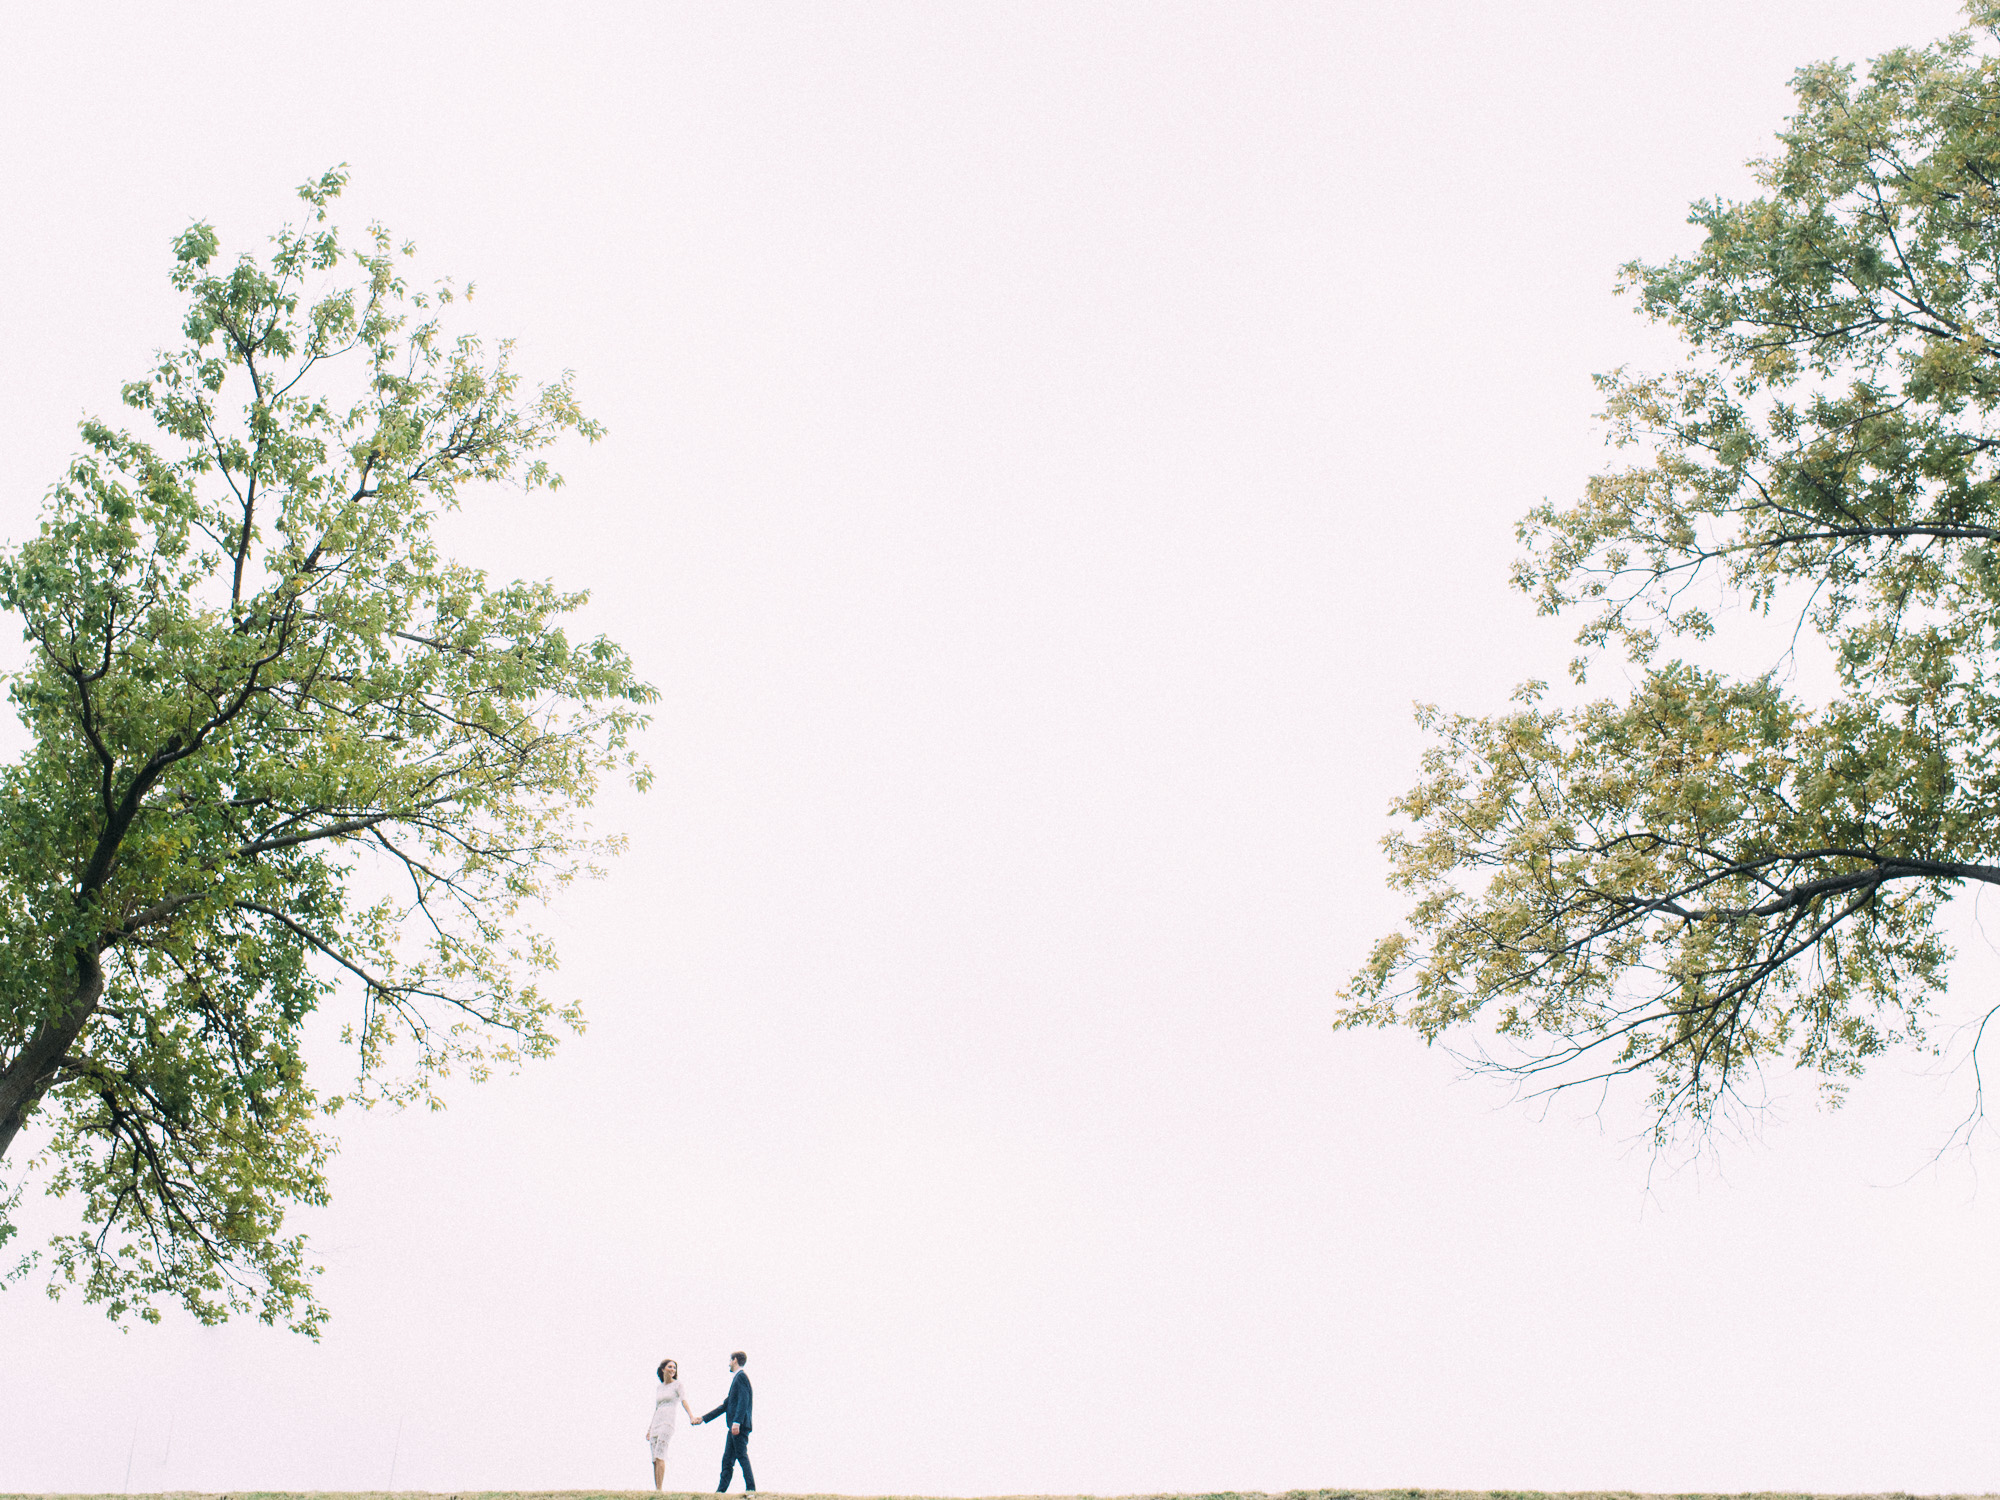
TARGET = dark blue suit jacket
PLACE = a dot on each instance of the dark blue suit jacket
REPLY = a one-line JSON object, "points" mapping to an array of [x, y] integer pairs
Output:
{"points": [[736, 1405]]}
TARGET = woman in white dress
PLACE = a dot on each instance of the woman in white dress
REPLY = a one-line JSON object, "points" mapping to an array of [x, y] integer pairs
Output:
{"points": [[661, 1427]]}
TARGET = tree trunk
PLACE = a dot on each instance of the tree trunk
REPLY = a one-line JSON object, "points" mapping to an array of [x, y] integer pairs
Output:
{"points": [[30, 1070]]}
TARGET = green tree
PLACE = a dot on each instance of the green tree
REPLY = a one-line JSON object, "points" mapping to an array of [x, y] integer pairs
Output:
{"points": [[1708, 876], [280, 751]]}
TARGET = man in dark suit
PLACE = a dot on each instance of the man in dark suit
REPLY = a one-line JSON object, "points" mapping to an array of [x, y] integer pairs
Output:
{"points": [[736, 1407]]}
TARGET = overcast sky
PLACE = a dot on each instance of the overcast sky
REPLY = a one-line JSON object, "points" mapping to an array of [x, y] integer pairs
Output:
{"points": [[1051, 448]]}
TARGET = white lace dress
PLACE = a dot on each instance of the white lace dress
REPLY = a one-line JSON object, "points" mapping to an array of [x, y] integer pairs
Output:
{"points": [[666, 1399]]}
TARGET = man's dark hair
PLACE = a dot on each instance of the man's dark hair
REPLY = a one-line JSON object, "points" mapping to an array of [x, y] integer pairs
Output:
{"points": [[740, 1357]]}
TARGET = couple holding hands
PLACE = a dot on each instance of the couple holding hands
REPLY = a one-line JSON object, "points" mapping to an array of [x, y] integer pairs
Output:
{"points": [[735, 1409]]}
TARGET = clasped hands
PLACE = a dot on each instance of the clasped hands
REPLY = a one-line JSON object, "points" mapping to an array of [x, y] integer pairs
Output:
{"points": [[733, 1426]]}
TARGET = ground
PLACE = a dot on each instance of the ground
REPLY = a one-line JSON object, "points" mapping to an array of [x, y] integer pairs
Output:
{"points": [[786, 1495]]}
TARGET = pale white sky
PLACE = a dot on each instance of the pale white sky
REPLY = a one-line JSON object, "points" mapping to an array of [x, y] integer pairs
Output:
{"points": [[1051, 448]]}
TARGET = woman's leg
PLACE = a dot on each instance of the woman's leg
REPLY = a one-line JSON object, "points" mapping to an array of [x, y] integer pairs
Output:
{"points": [[659, 1472]]}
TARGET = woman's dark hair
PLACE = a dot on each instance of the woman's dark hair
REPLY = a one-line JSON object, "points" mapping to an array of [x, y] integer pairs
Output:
{"points": [[662, 1371]]}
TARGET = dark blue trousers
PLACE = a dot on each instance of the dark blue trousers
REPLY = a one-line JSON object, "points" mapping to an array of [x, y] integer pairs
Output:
{"points": [[735, 1451]]}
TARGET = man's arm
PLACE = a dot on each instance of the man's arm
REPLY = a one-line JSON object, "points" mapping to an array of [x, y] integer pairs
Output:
{"points": [[714, 1414]]}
